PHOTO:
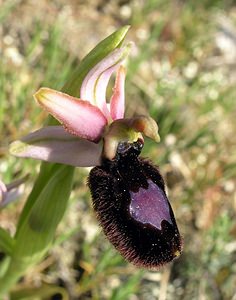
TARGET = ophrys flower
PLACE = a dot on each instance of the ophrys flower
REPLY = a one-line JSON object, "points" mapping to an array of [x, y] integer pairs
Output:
{"points": [[128, 192]]}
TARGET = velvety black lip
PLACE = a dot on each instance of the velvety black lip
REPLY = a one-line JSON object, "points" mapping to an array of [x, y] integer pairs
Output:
{"points": [[141, 243]]}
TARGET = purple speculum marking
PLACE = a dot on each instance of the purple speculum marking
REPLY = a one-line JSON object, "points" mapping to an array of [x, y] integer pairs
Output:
{"points": [[150, 206]]}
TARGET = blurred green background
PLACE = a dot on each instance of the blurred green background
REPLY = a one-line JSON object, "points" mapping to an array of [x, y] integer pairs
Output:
{"points": [[182, 72]]}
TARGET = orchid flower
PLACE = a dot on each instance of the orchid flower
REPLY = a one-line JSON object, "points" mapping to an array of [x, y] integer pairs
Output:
{"points": [[128, 192], [86, 121], [10, 192]]}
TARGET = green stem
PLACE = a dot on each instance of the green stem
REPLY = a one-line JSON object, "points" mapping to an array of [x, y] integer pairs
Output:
{"points": [[15, 270], [4, 264]]}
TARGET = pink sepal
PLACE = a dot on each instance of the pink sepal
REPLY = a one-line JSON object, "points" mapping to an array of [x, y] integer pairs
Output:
{"points": [[79, 117], [54, 144]]}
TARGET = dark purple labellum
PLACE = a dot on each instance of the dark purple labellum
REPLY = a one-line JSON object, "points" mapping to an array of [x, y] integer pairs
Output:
{"points": [[132, 207], [150, 205]]}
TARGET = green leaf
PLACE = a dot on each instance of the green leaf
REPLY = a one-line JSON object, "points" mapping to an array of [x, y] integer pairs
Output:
{"points": [[46, 171], [6, 242], [39, 227]]}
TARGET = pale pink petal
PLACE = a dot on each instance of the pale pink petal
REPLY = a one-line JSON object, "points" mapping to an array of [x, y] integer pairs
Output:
{"points": [[100, 91], [80, 118], [10, 192], [54, 144], [3, 191], [95, 83], [117, 103]]}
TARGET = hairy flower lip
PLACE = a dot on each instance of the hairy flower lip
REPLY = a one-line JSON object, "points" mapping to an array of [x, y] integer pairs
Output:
{"points": [[129, 198]]}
